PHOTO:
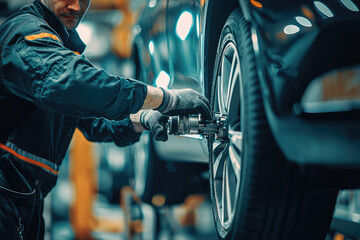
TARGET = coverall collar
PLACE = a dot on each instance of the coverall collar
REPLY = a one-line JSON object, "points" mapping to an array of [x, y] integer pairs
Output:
{"points": [[70, 38]]}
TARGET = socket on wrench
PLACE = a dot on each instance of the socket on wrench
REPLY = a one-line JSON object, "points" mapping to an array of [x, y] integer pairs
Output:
{"points": [[193, 124]]}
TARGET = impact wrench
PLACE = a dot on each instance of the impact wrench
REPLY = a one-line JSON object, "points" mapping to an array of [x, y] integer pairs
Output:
{"points": [[193, 124]]}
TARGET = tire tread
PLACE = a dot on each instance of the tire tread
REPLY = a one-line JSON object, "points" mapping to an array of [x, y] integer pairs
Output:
{"points": [[277, 198]]}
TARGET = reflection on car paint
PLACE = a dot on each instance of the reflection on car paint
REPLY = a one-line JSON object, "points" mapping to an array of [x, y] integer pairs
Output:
{"points": [[184, 25], [323, 9]]}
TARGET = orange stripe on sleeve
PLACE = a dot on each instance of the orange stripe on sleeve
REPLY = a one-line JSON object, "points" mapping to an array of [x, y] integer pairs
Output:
{"points": [[42, 35], [11, 151]]}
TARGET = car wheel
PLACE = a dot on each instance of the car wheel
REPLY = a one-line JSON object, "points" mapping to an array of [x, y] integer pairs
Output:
{"points": [[256, 193]]}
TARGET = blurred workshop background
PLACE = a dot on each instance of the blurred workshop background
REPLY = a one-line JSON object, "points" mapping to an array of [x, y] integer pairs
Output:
{"points": [[94, 197]]}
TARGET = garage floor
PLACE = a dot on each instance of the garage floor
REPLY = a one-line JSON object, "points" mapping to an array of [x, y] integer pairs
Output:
{"points": [[169, 224]]}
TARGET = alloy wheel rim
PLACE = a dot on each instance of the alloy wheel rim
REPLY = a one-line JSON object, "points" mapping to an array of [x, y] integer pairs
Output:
{"points": [[227, 155]]}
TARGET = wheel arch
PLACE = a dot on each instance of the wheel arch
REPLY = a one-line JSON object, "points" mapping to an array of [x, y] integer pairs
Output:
{"points": [[217, 13]]}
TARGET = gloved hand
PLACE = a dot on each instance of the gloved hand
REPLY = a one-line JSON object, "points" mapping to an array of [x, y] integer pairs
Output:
{"points": [[184, 102], [156, 123]]}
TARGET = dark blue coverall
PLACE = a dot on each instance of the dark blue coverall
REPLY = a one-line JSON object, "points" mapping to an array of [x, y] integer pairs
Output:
{"points": [[47, 89]]}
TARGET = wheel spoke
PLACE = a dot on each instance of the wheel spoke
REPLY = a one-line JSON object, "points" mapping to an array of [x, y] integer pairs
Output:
{"points": [[224, 63], [220, 99], [219, 161], [233, 79], [236, 139], [235, 160], [229, 191], [224, 196], [226, 76]]}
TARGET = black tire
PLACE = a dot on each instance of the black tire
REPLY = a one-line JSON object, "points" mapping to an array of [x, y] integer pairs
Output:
{"points": [[265, 196]]}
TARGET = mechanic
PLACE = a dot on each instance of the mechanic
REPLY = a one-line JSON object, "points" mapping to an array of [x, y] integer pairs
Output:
{"points": [[47, 90]]}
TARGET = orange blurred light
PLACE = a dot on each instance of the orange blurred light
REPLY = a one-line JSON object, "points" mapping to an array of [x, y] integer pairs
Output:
{"points": [[158, 200], [281, 36], [339, 236], [307, 12], [256, 3]]}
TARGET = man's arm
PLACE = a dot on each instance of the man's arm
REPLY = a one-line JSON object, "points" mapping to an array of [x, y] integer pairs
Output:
{"points": [[51, 76], [44, 72], [126, 131], [121, 132], [154, 98], [135, 119]]}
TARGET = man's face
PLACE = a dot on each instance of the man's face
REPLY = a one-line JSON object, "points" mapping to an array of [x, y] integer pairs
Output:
{"points": [[69, 12]]}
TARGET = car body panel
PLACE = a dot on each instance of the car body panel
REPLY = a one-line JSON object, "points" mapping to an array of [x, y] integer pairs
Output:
{"points": [[168, 47], [292, 43], [150, 39], [176, 55], [183, 149], [183, 40], [295, 44]]}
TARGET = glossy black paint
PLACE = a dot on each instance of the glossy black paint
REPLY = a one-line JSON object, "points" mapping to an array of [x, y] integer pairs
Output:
{"points": [[289, 62], [294, 42]]}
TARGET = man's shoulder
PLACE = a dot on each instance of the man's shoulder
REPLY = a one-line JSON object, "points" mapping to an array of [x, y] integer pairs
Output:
{"points": [[23, 24]]}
